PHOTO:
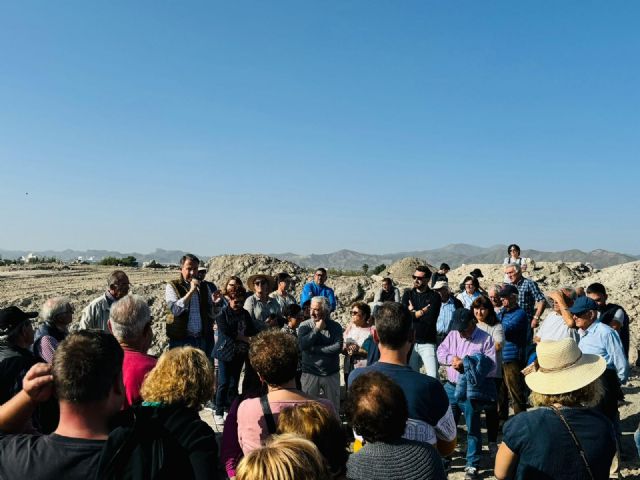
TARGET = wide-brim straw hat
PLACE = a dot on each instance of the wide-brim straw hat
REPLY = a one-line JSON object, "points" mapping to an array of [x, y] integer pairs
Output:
{"points": [[270, 280], [561, 368]]}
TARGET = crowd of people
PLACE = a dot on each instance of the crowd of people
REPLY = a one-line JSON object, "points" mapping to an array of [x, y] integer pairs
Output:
{"points": [[95, 404]]}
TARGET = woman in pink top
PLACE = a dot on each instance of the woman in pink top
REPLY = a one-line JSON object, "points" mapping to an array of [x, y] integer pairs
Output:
{"points": [[274, 355], [354, 336]]}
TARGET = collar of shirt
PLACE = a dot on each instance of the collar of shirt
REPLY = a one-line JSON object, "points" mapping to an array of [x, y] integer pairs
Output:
{"points": [[592, 328]]}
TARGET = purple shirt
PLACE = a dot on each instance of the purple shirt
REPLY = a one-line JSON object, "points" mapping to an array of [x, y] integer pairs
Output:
{"points": [[455, 345]]}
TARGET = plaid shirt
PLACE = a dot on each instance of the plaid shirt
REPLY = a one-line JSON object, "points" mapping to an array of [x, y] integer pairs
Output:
{"points": [[528, 295]]}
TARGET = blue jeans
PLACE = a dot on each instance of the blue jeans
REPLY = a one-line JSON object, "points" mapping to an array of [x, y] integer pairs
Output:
{"points": [[228, 379], [424, 354], [188, 341], [636, 437], [471, 410]]}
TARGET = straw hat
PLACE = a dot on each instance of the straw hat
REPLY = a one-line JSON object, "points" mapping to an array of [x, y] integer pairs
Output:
{"points": [[561, 368], [270, 281]]}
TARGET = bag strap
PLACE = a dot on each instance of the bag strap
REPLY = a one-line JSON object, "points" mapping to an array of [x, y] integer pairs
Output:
{"points": [[268, 415], [575, 440]]}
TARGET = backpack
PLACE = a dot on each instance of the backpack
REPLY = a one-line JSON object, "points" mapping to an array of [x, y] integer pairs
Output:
{"points": [[142, 448]]}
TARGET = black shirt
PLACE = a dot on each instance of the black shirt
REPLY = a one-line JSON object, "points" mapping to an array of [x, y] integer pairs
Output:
{"points": [[48, 457], [425, 325]]}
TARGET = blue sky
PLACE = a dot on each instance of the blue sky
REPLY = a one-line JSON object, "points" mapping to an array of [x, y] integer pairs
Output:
{"points": [[379, 126]]}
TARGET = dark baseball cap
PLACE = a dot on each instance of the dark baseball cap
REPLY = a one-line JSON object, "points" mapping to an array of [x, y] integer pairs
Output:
{"points": [[12, 317], [583, 304], [508, 290], [461, 320]]}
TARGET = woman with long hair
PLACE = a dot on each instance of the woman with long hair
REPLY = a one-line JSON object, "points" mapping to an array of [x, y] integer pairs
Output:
{"points": [[487, 320]]}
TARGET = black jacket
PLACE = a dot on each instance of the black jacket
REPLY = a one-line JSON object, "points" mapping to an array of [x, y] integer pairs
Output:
{"points": [[228, 323], [14, 363], [160, 443], [424, 326]]}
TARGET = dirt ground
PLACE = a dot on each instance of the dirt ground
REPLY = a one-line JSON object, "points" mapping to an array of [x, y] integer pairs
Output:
{"points": [[28, 287]]}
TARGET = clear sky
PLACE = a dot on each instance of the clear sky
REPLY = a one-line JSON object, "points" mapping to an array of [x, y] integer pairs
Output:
{"points": [[378, 126]]}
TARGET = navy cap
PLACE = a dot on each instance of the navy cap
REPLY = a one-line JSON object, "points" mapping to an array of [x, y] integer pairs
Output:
{"points": [[583, 304], [461, 320], [508, 290], [11, 317]]}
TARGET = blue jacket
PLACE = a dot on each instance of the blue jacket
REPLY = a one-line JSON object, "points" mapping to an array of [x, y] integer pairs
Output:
{"points": [[515, 326], [312, 289], [474, 384]]}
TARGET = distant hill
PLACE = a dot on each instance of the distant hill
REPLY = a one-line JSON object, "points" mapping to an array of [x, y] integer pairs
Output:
{"points": [[454, 254]]}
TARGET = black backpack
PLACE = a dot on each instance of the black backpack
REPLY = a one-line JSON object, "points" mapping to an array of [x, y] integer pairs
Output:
{"points": [[142, 448]]}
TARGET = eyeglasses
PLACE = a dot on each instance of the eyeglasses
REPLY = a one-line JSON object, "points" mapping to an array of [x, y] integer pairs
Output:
{"points": [[468, 284], [514, 250], [260, 282], [419, 278], [355, 312]]}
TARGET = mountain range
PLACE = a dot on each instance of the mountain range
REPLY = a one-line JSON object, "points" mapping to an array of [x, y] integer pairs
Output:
{"points": [[453, 254]]}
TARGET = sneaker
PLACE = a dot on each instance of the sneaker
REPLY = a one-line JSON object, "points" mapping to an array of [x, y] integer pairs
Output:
{"points": [[471, 473], [225, 416], [209, 406], [218, 419]]}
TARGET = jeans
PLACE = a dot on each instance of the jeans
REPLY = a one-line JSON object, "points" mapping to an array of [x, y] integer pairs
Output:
{"points": [[492, 415], [424, 354], [636, 437], [514, 381], [228, 379], [471, 410]]}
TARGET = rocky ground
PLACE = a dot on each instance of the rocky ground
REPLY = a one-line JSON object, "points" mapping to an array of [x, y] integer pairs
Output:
{"points": [[29, 286]]}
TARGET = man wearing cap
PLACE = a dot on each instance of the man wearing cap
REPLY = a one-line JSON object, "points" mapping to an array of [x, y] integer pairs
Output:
{"points": [[96, 314], [515, 326], [317, 288], [189, 308], [449, 305], [262, 308], [424, 305], [281, 294], [600, 339], [467, 350], [16, 338]]}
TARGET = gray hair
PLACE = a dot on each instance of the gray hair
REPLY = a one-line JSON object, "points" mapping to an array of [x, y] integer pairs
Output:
{"points": [[53, 307], [128, 317], [497, 287], [514, 265], [324, 301]]}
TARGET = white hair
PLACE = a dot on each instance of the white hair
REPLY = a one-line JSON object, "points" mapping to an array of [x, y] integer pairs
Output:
{"points": [[53, 307], [324, 301], [128, 317], [514, 265]]}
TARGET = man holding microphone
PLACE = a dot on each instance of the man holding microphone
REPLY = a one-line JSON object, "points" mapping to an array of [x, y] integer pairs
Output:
{"points": [[189, 313]]}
